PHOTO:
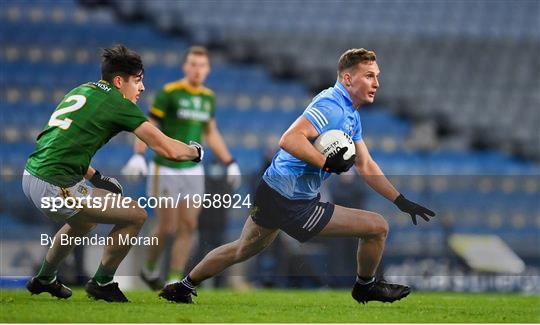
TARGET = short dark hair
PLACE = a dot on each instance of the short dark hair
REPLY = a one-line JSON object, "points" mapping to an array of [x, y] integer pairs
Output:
{"points": [[352, 57], [120, 61], [196, 50]]}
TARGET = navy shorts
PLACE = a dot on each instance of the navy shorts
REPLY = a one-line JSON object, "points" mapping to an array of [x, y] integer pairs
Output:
{"points": [[300, 219]]}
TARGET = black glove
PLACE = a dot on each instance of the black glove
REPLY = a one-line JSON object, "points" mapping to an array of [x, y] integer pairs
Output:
{"points": [[413, 209], [107, 183], [200, 150], [336, 164]]}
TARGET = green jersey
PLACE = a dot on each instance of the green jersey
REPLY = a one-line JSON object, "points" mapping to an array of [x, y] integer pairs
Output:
{"points": [[87, 118], [183, 112]]}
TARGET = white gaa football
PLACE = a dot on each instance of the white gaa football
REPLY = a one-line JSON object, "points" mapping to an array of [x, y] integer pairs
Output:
{"points": [[332, 140]]}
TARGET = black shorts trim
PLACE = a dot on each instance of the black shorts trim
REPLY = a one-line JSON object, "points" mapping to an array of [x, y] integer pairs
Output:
{"points": [[300, 219]]}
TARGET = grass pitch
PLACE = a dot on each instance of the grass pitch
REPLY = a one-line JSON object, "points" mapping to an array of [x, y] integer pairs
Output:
{"points": [[271, 306]]}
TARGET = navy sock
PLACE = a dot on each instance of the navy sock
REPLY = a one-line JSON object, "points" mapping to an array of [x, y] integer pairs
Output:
{"points": [[188, 283]]}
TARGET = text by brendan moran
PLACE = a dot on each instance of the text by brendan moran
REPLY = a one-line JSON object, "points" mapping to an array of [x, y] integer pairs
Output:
{"points": [[95, 240]]}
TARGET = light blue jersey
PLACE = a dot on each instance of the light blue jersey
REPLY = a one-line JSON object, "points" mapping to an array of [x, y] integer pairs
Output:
{"points": [[295, 179]]}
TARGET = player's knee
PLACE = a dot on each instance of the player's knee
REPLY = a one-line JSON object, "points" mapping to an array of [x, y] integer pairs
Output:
{"points": [[381, 227], [140, 216], [192, 225], [375, 228], [187, 227], [167, 231], [164, 230], [81, 229]]}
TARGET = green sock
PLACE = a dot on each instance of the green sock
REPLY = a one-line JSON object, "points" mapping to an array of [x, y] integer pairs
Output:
{"points": [[175, 275], [104, 275], [47, 272], [150, 266]]}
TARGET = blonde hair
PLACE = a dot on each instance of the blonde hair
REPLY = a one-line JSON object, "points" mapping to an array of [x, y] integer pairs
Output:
{"points": [[350, 59], [196, 50]]}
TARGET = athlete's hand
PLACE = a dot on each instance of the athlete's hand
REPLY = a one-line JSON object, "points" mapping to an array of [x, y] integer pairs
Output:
{"points": [[413, 209], [335, 163], [234, 176], [200, 150], [135, 166], [107, 183]]}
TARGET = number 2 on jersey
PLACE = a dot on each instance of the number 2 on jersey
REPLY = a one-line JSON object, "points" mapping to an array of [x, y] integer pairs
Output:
{"points": [[65, 123]]}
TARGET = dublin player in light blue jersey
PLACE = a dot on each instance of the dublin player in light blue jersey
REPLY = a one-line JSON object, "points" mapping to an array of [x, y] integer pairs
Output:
{"points": [[288, 196]]}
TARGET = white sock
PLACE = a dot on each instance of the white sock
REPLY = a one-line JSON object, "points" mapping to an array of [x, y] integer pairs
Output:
{"points": [[364, 282], [47, 282]]}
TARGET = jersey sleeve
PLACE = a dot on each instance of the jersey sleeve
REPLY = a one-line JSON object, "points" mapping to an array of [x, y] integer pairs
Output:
{"points": [[324, 115], [357, 135], [159, 107], [128, 116]]}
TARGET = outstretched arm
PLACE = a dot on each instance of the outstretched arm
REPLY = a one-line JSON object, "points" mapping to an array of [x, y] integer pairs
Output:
{"points": [[215, 142], [139, 147], [372, 173], [165, 146], [375, 178], [137, 165], [217, 145]]}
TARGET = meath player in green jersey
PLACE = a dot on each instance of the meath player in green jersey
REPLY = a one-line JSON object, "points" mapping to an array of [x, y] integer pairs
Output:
{"points": [[87, 118], [184, 110]]}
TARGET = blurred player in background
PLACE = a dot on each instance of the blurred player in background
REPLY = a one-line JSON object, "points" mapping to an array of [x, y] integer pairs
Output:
{"points": [[288, 196], [87, 118], [183, 110]]}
